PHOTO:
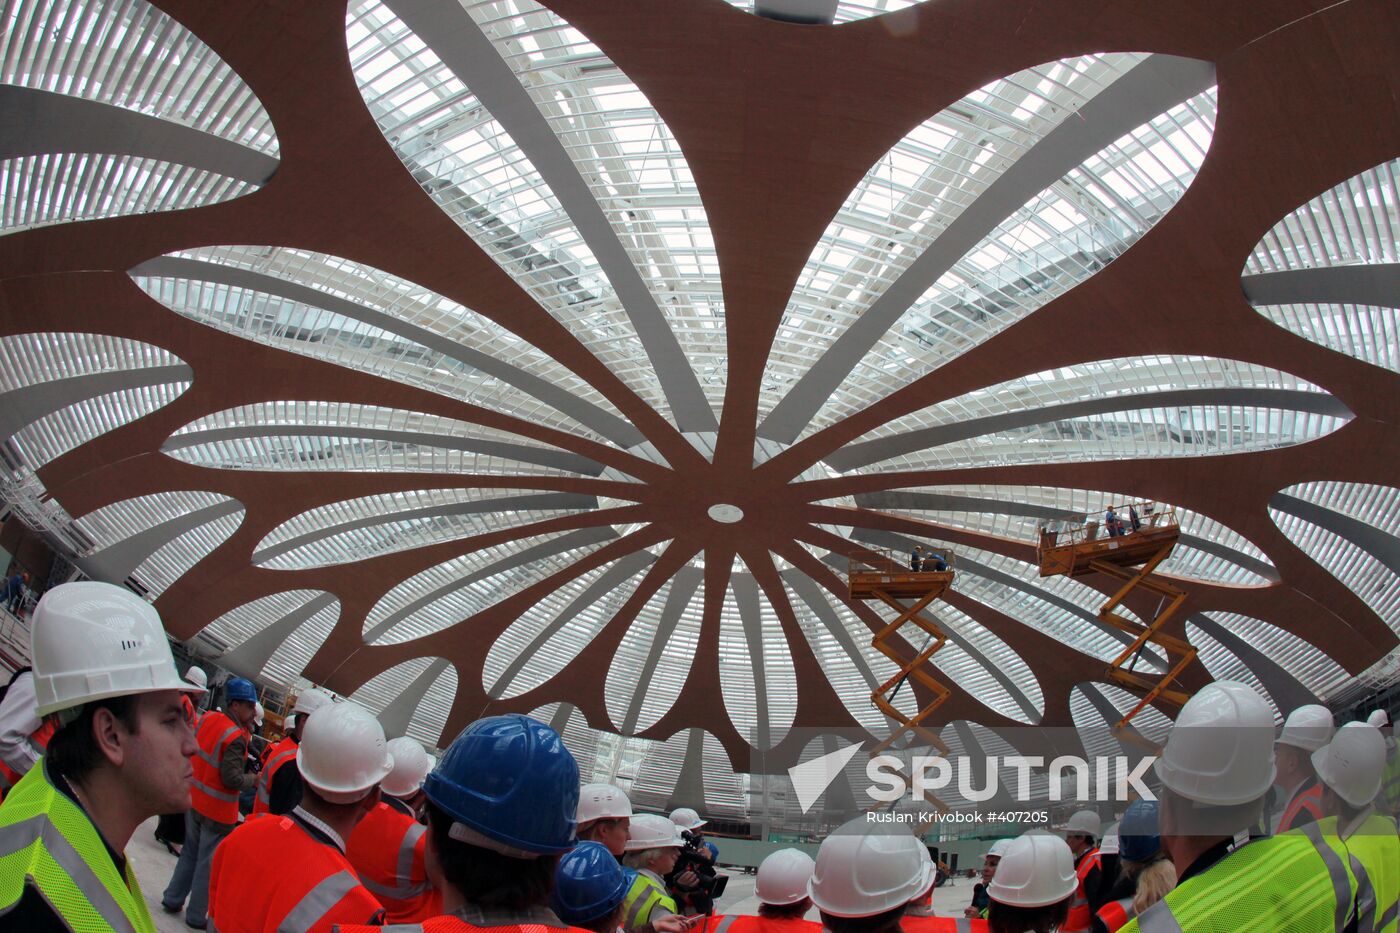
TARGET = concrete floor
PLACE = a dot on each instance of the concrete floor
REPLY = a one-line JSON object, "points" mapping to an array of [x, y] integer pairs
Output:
{"points": [[153, 866]]}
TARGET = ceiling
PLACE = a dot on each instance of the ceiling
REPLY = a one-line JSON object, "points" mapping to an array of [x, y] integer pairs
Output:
{"points": [[406, 349]]}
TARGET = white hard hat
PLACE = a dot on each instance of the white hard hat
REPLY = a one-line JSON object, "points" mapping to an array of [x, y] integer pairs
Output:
{"points": [[653, 831], [1378, 719], [1221, 750], [1351, 764], [309, 701], [863, 869], [1084, 823], [1036, 871], [411, 765], [686, 818], [602, 802], [343, 753], [1308, 727], [998, 848], [258, 713], [1108, 845], [290, 722], [197, 677], [90, 641], [783, 876]]}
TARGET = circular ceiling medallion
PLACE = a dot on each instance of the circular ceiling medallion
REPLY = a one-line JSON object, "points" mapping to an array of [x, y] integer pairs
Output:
{"points": [[726, 513]]}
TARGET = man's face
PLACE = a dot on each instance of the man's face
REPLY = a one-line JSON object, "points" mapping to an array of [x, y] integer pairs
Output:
{"points": [[989, 868], [242, 712], [158, 766], [613, 834]]}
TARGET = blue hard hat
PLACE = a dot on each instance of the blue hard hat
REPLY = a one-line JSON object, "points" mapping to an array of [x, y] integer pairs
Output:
{"points": [[1138, 835], [588, 884], [240, 689], [511, 779]]}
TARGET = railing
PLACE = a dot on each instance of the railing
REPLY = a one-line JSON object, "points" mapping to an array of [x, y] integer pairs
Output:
{"points": [[1066, 532], [880, 559]]}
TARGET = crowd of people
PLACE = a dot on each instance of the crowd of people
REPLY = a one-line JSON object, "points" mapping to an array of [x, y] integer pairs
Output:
{"points": [[349, 830]]}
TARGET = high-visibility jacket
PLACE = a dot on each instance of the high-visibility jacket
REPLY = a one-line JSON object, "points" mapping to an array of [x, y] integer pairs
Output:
{"points": [[1388, 800], [1307, 799], [281, 755], [1079, 914], [387, 849], [735, 923], [48, 843], [449, 924], [209, 796], [1373, 853], [191, 714], [1296, 881], [1115, 914], [39, 740], [941, 925], [273, 874], [645, 895]]}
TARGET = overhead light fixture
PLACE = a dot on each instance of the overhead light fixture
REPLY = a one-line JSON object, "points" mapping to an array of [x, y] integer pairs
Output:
{"points": [[806, 12]]}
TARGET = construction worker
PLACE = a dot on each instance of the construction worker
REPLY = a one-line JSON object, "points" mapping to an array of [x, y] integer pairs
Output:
{"points": [[1035, 886], [865, 876], [279, 784], [1217, 766], [195, 677], [387, 847], [220, 775], [652, 848], [170, 828], [781, 889], [1080, 833], [980, 901], [501, 806], [589, 887], [604, 815], [1351, 767], [1388, 800], [119, 755], [1306, 729], [1147, 875], [290, 872], [23, 733]]}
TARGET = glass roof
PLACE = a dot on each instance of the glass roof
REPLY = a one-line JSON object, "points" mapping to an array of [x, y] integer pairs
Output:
{"points": [[274, 625], [848, 11]]}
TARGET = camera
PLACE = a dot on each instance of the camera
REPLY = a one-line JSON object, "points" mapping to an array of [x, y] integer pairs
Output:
{"points": [[694, 857]]}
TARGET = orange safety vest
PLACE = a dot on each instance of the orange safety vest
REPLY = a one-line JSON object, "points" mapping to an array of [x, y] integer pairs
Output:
{"points": [[386, 848], [209, 797], [272, 874], [942, 925], [447, 924], [1079, 914], [1308, 800], [278, 755], [736, 923], [39, 738], [1116, 914]]}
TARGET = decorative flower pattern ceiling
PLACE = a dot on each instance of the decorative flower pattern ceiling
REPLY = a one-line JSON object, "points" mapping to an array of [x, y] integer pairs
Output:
{"points": [[427, 393]]}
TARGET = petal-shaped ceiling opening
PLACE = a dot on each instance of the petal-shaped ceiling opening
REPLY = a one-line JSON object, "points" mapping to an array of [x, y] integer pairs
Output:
{"points": [[1312, 667], [652, 663], [1207, 550], [100, 129], [372, 526], [547, 637], [359, 317], [758, 682], [151, 541], [1135, 407], [274, 637], [1352, 530], [455, 590], [343, 436], [557, 165], [980, 216], [413, 698], [1097, 707], [1330, 271]]}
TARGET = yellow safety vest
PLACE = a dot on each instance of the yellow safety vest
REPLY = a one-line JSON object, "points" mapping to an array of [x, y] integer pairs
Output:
{"points": [[643, 897], [48, 843], [1373, 851], [1296, 881]]}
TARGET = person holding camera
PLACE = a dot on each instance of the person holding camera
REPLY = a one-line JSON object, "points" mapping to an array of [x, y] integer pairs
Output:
{"points": [[693, 882]]}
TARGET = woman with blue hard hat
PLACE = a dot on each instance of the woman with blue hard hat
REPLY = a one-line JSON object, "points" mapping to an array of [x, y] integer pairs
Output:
{"points": [[1147, 873], [501, 807]]}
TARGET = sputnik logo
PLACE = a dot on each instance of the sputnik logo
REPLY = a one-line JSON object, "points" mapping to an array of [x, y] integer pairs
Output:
{"points": [[811, 778]]}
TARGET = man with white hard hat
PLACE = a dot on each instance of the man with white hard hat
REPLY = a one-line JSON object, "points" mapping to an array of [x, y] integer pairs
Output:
{"points": [[290, 872], [1351, 767], [652, 848], [279, 784], [781, 889], [119, 755], [990, 861], [1217, 766], [1080, 835], [865, 876], [1306, 729], [1034, 885], [693, 880], [195, 677], [388, 847], [604, 815]]}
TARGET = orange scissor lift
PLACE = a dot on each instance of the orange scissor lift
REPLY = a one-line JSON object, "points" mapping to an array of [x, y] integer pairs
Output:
{"points": [[885, 575], [1076, 550]]}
